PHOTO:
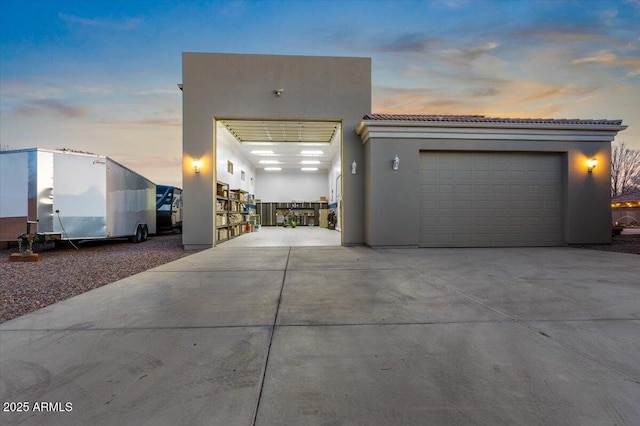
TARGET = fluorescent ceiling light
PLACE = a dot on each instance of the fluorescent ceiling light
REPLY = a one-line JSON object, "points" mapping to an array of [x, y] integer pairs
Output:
{"points": [[269, 162], [318, 152], [273, 169], [309, 169], [258, 152], [310, 162]]}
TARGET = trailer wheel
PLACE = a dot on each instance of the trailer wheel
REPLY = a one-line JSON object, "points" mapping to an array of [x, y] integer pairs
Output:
{"points": [[145, 232], [137, 238]]}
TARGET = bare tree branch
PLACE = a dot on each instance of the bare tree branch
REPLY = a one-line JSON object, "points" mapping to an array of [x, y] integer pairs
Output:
{"points": [[625, 170]]}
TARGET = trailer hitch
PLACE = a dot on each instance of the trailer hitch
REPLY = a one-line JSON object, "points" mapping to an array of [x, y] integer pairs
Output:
{"points": [[26, 240]]}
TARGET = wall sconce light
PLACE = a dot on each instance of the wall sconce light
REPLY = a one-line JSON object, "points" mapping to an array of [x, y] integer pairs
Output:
{"points": [[354, 167], [396, 163], [196, 165], [278, 92], [591, 164]]}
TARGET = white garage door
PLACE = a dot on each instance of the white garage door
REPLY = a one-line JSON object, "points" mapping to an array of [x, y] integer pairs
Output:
{"points": [[478, 199]]}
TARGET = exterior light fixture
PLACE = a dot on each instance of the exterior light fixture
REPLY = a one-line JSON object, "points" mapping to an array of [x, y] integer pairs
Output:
{"points": [[278, 92], [196, 165], [591, 164], [396, 163], [354, 167]]}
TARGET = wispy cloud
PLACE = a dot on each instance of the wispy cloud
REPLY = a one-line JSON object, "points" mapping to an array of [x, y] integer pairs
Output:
{"points": [[20, 89], [471, 53], [124, 24], [451, 4], [93, 90], [154, 92], [55, 107], [412, 42], [142, 123], [531, 91], [558, 35], [610, 59]]}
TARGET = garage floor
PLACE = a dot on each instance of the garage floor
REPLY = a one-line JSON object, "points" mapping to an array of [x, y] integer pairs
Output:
{"points": [[278, 236], [341, 335]]}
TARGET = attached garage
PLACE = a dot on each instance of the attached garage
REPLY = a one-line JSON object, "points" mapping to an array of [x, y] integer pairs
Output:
{"points": [[475, 181], [481, 199]]}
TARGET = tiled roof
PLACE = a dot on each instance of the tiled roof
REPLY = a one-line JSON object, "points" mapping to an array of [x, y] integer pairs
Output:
{"points": [[627, 198], [485, 119]]}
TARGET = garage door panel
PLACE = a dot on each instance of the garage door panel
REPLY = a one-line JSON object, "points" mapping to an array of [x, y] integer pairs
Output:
{"points": [[481, 174], [445, 189], [512, 199]]}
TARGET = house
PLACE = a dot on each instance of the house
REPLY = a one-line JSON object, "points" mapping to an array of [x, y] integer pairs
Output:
{"points": [[294, 129], [625, 209]]}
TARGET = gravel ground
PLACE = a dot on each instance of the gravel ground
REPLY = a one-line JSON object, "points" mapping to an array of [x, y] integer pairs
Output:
{"points": [[625, 243], [65, 272]]}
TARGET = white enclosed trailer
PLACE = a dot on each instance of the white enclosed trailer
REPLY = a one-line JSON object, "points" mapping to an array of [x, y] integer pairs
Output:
{"points": [[74, 195]]}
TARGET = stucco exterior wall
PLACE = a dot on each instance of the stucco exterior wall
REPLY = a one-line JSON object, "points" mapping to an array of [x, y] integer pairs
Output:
{"points": [[217, 86], [392, 201]]}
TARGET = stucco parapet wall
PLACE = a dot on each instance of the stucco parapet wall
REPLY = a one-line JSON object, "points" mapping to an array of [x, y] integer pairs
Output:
{"points": [[547, 130]]}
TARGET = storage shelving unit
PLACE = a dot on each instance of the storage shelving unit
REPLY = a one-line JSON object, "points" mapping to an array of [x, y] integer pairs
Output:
{"points": [[222, 212], [233, 210], [306, 213]]}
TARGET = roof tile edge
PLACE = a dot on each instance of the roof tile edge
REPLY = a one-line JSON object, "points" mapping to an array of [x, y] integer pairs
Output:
{"points": [[485, 119]]}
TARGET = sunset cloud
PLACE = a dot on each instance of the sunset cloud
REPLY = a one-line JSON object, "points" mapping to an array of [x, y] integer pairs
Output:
{"points": [[610, 59]]}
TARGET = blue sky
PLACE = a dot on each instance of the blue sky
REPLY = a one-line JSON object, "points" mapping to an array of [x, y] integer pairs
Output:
{"points": [[101, 76]]}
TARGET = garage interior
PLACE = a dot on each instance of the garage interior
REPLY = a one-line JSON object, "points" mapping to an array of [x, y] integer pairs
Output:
{"points": [[278, 182]]}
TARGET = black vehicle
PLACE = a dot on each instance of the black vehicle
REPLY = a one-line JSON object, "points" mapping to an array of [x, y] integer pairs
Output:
{"points": [[168, 209]]}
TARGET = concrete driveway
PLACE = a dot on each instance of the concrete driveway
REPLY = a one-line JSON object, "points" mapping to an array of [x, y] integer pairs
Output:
{"points": [[338, 336]]}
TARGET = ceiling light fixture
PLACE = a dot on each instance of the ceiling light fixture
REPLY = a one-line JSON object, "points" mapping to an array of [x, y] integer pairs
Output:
{"points": [[273, 169], [311, 152], [309, 169], [258, 152], [310, 162]]}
